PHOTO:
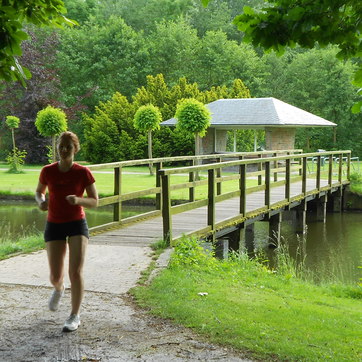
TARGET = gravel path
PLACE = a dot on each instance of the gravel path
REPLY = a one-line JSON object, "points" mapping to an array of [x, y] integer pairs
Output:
{"points": [[113, 327]]}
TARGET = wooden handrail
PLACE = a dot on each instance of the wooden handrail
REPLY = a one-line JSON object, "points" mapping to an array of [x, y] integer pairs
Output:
{"points": [[242, 164], [186, 169], [129, 163], [290, 164]]}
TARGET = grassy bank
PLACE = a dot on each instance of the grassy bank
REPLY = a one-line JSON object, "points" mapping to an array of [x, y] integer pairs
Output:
{"points": [[22, 245], [268, 315], [356, 183]]}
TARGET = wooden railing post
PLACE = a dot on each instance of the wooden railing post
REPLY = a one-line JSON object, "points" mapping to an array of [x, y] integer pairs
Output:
{"points": [[166, 208], [330, 170], [218, 175], [267, 184], [318, 177], [260, 168], [192, 179], [117, 207], [242, 186], [340, 168], [348, 166], [158, 184], [211, 201], [275, 166], [304, 175], [287, 178]]}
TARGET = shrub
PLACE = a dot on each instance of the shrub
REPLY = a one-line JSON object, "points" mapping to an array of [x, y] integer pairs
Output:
{"points": [[189, 252], [16, 159]]}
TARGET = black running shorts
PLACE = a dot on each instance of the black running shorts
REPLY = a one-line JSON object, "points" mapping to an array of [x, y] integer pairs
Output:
{"points": [[61, 231]]}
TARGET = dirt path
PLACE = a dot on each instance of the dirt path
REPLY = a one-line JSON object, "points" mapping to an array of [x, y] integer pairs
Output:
{"points": [[113, 329]]}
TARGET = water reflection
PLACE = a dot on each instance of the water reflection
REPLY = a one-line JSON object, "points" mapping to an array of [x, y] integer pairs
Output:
{"points": [[17, 216], [334, 248]]}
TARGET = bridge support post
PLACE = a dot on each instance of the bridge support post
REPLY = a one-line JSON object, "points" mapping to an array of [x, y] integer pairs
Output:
{"points": [[336, 201], [248, 234], [322, 208], [222, 248], [274, 229], [300, 222], [235, 238]]}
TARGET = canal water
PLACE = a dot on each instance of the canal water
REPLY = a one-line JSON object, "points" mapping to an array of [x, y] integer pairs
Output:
{"points": [[331, 250]]}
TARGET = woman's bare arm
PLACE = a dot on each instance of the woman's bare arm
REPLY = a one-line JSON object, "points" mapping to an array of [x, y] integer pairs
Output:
{"points": [[90, 201], [40, 197]]}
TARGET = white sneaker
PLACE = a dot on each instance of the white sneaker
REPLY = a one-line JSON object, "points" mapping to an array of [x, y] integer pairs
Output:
{"points": [[54, 299], [72, 323]]}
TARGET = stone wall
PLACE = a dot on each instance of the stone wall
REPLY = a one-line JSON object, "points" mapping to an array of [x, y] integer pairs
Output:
{"points": [[208, 145], [277, 138]]}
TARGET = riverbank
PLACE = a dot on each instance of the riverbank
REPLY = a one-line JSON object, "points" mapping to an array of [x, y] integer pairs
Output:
{"points": [[275, 315]]}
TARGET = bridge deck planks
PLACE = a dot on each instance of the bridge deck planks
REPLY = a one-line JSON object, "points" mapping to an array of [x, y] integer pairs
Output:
{"points": [[148, 231]]}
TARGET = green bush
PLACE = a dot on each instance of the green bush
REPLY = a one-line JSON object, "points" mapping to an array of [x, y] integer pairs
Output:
{"points": [[192, 116], [189, 252], [16, 160], [147, 118], [51, 121]]}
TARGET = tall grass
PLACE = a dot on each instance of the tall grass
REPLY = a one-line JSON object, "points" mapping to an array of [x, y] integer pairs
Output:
{"points": [[356, 182], [26, 240]]}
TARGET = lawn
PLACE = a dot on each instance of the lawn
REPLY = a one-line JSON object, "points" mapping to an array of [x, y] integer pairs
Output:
{"points": [[133, 179], [268, 315]]}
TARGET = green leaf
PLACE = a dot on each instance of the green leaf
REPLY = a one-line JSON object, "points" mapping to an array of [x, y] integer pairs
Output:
{"points": [[248, 10], [205, 3], [357, 80], [357, 107]]}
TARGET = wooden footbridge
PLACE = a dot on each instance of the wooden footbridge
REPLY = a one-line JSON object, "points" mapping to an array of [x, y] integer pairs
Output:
{"points": [[222, 194]]}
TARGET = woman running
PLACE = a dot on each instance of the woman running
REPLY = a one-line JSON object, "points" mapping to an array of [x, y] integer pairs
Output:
{"points": [[66, 182]]}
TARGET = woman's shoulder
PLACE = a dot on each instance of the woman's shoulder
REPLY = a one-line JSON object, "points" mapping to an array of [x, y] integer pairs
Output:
{"points": [[77, 166], [80, 168], [50, 166]]}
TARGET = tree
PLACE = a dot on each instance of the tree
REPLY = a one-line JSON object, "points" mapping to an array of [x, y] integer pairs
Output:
{"points": [[108, 57], [173, 49], [12, 122], [14, 14], [50, 122], [285, 23], [319, 83], [16, 157], [109, 133], [193, 117], [147, 119]]}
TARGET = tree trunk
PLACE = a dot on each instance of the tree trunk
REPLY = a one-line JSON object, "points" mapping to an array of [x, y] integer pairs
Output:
{"points": [[150, 166], [13, 136]]}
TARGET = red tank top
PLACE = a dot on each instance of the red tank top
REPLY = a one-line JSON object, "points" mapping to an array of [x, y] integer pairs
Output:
{"points": [[61, 184]]}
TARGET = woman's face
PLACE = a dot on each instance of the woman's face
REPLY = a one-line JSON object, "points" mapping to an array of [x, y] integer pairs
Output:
{"points": [[66, 148]]}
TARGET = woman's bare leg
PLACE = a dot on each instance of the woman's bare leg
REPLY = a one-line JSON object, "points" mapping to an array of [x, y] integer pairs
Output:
{"points": [[77, 249], [56, 252]]}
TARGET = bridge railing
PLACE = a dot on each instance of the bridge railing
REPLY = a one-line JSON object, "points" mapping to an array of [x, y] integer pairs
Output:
{"points": [[271, 172], [120, 196]]}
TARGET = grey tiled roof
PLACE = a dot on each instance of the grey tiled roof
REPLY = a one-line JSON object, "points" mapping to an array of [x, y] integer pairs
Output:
{"points": [[258, 112]]}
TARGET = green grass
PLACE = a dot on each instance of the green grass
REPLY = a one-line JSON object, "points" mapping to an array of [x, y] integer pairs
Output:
{"points": [[267, 315], [356, 183], [23, 245], [25, 184], [28, 239]]}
